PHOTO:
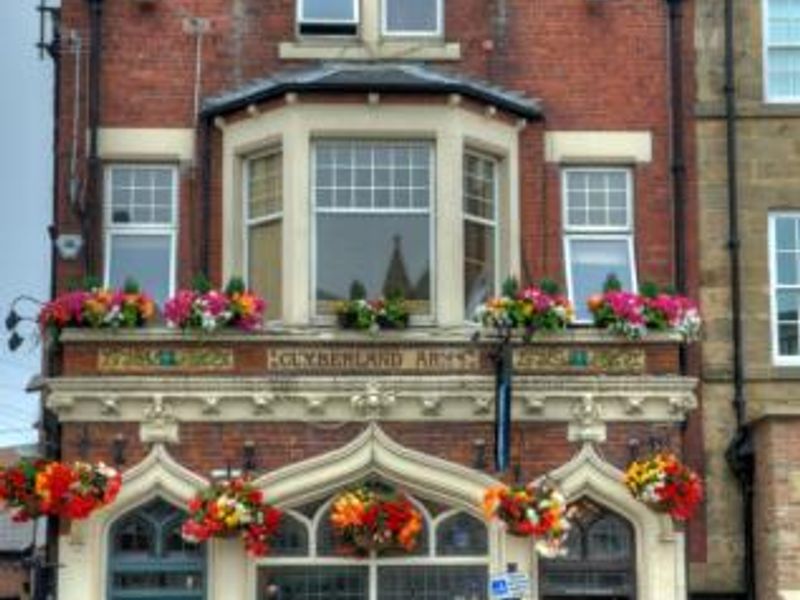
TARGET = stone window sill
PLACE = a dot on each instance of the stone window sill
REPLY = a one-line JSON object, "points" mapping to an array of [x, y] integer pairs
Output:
{"points": [[389, 50]]}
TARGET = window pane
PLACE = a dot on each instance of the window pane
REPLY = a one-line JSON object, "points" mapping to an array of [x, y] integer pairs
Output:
{"points": [[784, 21], [387, 253], [479, 187], [591, 262], [265, 186], [328, 10], [310, 582], [417, 16], [134, 536], [597, 199], [479, 264], [291, 539], [784, 72], [787, 268], [145, 258], [461, 535], [609, 539], [141, 195], [432, 582], [787, 305], [265, 264], [787, 339], [786, 233]]}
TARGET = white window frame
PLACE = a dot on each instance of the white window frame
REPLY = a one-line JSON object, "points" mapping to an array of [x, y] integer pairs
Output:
{"points": [[248, 222], [766, 46], [416, 319], [778, 359], [494, 223], [438, 32], [372, 563], [597, 232], [356, 20], [112, 229]]}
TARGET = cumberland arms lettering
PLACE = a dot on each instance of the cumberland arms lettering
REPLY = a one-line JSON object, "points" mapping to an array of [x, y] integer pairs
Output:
{"points": [[336, 359]]}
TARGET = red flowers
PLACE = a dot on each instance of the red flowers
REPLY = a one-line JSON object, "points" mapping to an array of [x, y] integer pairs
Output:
{"points": [[49, 488], [665, 485], [229, 508], [374, 517], [537, 510]]}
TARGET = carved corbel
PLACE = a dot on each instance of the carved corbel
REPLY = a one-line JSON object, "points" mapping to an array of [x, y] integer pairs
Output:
{"points": [[587, 424]]}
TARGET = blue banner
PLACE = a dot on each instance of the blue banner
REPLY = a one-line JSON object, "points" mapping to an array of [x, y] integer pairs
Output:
{"points": [[502, 409]]}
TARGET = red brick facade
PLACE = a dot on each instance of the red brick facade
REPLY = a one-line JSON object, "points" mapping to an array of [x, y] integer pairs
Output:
{"points": [[595, 66]]}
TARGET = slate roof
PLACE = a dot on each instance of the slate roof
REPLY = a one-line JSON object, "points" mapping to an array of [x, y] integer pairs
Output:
{"points": [[398, 78]]}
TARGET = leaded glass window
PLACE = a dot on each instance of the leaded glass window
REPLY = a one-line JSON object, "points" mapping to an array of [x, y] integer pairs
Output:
{"points": [[450, 562], [600, 560], [149, 558]]}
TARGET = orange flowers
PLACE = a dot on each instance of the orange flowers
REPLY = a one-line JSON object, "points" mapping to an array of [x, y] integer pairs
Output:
{"points": [[374, 517], [537, 510]]}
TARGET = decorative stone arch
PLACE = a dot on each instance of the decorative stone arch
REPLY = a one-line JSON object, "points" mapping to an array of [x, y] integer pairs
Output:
{"points": [[84, 551], [660, 565], [373, 452]]}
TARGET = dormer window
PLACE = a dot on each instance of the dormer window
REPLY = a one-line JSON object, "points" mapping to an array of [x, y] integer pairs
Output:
{"points": [[328, 17], [412, 18]]}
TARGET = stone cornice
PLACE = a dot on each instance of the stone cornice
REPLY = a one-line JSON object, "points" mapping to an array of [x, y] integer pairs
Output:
{"points": [[585, 402], [463, 335]]}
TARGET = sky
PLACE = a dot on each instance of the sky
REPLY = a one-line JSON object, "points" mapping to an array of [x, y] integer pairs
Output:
{"points": [[26, 172]]}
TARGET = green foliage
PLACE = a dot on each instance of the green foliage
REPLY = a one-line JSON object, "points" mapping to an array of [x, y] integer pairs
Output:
{"points": [[549, 286], [358, 290], [649, 289], [201, 284], [131, 286], [510, 287], [235, 286], [612, 283]]}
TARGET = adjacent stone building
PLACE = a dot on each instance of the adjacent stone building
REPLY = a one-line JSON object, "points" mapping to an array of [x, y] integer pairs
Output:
{"points": [[312, 146], [763, 121]]}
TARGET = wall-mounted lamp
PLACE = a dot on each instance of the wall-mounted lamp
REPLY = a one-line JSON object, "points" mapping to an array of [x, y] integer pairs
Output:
{"points": [[118, 449], [249, 456], [479, 454], [14, 319]]}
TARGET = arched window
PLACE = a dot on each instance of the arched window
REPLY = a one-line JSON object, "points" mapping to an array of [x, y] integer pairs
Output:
{"points": [[450, 561], [600, 560], [149, 558]]}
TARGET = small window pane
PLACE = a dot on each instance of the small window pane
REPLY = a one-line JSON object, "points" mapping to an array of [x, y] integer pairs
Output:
{"points": [[786, 234], [432, 582], [609, 539], [591, 262], [328, 10], [141, 196], [265, 260], [788, 305], [461, 535], [479, 264], [134, 536], [787, 339], [291, 538], [412, 16], [310, 582], [784, 72], [787, 268], [265, 186], [145, 258]]}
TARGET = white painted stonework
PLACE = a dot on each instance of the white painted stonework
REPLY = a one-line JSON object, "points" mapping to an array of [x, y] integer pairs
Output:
{"points": [[232, 576]]}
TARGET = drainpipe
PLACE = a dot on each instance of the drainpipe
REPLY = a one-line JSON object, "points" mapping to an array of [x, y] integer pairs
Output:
{"points": [[206, 123], [678, 158], [740, 453], [93, 210]]}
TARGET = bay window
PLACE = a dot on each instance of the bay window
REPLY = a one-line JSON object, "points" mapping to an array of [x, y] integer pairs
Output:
{"points": [[263, 218], [782, 50], [784, 245], [372, 219], [480, 230], [412, 17], [140, 227], [598, 232]]}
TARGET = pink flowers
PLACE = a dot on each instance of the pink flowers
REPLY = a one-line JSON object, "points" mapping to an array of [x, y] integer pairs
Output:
{"points": [[209, 309], [632, 315], [98, 308]]}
